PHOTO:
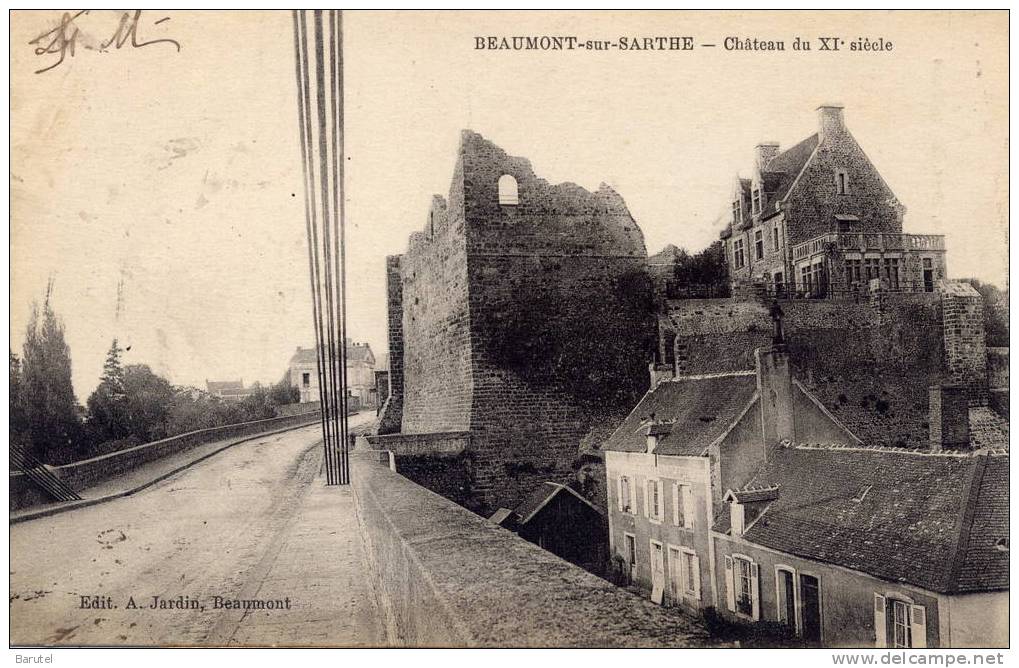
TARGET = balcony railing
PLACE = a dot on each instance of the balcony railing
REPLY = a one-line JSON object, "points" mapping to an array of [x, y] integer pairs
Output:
{"points": [[868, 241]]}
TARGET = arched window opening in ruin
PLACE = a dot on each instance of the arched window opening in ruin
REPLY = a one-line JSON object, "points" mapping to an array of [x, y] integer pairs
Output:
{"points": [[508, 190]]}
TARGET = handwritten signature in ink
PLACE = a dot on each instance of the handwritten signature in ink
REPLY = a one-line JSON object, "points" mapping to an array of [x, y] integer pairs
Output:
{"points": [[61, 41]]}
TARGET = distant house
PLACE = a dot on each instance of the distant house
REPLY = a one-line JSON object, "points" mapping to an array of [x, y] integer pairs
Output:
{"points": [[231, 390], [360, 373], [741, 492], [558, 519]]}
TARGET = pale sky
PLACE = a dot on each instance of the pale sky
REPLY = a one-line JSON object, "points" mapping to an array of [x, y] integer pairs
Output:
{"points": [[173, 174]]}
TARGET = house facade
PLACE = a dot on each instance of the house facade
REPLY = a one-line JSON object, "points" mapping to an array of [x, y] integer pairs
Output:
{"points": [[303, 373], [818, 220], [771, 511], [870, 547]]}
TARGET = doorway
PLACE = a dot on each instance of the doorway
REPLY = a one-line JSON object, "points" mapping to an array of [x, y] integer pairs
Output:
{"points": [[810, 608]]}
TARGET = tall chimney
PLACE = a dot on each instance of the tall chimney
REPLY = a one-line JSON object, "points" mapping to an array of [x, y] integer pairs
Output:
{"points": [[949, 417], [764, 152], [830, 120], [775, 387]]}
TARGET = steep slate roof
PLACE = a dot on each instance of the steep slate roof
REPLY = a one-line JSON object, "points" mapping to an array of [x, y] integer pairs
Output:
{"points": [[782, 170], [778, 177], [703, 409], [899, 515], [540, 497], [984, 566]]}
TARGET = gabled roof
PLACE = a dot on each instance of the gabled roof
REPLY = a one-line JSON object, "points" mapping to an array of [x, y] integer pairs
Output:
{"points": [[702, 409], [753, 494], [899, 515], [540, 497], [782, 171], [356, 352], [501, 516], [224, 385]]}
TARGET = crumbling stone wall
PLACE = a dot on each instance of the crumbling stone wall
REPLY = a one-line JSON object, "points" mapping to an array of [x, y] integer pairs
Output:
{"points": [[436, 330], [522, 322], [964, 338], [869, 364], [560, 317], [391, 412]]}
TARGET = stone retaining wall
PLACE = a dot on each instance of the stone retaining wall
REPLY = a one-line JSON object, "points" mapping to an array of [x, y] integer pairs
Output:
{"points": [[88, 472], [449, 578]]}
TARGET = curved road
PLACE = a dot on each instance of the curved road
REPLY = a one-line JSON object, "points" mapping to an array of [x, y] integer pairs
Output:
{"points": [[253, 523]]}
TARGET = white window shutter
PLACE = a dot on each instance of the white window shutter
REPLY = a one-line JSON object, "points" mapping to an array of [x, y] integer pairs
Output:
{"points": [[755, 591], [675, 503], [696, 564], [688, 506], [880, 628], [730, 586], [620, 493], [647, 498], [918, 625]]}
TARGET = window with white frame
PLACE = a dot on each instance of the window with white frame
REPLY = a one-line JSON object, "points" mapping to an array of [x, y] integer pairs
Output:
{"points": [[682, 505], [654, 499], [742, 586], [899, 623], [625, 499]]}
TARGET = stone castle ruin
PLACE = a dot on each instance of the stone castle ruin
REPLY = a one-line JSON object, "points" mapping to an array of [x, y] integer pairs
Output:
{"points": [[518, 317]]}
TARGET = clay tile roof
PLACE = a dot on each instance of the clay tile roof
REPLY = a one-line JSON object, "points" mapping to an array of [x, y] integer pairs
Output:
{"points": [[700, 409], [927, 520], [983, 564]]}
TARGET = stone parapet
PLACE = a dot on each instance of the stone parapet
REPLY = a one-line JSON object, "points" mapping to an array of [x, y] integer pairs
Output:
{"points": [[449, 578]]}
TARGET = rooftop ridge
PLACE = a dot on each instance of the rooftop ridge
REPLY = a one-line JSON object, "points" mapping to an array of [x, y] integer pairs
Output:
{"points": [[706, 376], [883, 448]]}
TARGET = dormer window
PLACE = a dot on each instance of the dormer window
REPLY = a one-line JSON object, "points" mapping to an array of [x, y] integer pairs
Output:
{"points": [[841, 182], [508, 191], [756, 200], [736, 217]]}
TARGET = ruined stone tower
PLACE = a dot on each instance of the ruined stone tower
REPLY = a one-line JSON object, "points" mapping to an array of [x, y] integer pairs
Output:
{"points": [[524, 315]]}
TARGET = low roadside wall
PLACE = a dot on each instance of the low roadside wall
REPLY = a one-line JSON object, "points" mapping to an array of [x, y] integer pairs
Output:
{"points": [[449, 578], [88, 472]]}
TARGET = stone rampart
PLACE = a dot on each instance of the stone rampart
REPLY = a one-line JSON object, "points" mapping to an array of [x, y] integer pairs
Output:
{"points": [[448, 578]]}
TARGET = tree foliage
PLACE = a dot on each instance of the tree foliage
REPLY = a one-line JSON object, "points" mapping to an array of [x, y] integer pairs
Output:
{"points": [[995, 312], [51, 413], [107, 405]]}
